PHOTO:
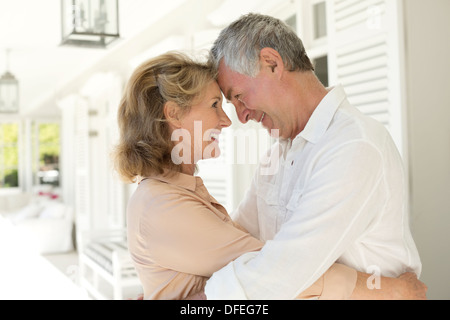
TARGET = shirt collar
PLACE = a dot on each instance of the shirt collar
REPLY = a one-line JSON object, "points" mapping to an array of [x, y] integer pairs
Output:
{"points": [[179, 179], [322, 116], [185, 181]]}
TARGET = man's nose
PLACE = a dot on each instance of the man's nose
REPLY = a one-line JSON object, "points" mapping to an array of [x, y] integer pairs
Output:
{"points": [[242, 111]]}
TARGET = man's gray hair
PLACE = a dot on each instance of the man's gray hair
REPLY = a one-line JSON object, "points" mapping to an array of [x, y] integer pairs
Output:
{"points": [[241, 42]]}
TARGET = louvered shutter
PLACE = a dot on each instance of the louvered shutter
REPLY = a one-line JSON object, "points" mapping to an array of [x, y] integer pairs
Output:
{"points": [[107, 192], [115, 200], [362, 68], [82, 171], [217, 174], [365, 55], [67, 149]]}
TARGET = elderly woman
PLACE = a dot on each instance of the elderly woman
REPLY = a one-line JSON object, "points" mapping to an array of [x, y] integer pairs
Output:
{"points": [[170, 117]]}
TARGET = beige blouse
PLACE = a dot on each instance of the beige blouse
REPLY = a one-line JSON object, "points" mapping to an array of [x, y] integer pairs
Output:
{"points": [[179, 235]]}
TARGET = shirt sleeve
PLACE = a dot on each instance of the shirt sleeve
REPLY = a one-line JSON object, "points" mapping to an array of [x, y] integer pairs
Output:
{"points": [[188, 237], [341, 198]]}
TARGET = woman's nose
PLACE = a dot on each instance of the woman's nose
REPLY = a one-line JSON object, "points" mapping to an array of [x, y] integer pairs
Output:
{"points": [[224, 120]]}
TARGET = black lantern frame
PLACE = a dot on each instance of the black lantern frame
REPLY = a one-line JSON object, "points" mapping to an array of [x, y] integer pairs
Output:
{"points": [[89, 23]]}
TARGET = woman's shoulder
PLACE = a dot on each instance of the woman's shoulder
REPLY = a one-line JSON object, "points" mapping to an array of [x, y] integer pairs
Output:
{"points": [[153, 192]]}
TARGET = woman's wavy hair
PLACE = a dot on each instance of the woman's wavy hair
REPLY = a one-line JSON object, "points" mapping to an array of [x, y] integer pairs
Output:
{"points": [[145, 142]]}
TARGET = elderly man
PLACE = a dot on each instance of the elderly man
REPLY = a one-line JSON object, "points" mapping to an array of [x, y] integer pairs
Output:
{"points": [[338, 193]]}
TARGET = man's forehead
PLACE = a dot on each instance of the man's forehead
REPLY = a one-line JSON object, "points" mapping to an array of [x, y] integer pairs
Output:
{"points": [[225, 80]]}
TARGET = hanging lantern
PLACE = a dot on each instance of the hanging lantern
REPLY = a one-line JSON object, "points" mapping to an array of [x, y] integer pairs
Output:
{"points": [[9, 91], [89, 23]]}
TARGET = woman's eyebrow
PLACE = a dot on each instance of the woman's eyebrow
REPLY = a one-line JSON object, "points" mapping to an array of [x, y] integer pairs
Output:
{"points": [[217, 98]]}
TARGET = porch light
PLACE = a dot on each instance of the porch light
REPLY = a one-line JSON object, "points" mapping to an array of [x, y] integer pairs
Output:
{"points": [[89, 23], [9, 91]]}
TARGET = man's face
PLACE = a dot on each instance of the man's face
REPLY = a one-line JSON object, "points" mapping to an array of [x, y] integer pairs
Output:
{"points": [[253, 98]]}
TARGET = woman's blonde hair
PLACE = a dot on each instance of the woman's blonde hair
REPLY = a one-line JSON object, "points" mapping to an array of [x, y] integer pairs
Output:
{"points": [[145, 142]]}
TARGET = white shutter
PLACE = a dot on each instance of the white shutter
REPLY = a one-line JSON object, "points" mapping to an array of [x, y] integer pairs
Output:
{"points": [[217, 173], [364, 55], [82, 172], [115, 203], [68, 165], [354, 13], [362, 68], [107, 194]]}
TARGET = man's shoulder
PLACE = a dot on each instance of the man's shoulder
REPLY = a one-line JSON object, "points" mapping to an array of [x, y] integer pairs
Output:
{"points": [[350, 124]]}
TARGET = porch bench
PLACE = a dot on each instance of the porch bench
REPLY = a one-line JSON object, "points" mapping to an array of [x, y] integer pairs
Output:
{"points": [[103, 255]]}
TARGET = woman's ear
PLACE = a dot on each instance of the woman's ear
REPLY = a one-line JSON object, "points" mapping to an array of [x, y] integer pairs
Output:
{"points": [[173, 114], [270, 58]]}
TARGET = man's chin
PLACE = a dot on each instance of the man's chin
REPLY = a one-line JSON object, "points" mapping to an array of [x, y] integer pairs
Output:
{"points": [[274, 133]]}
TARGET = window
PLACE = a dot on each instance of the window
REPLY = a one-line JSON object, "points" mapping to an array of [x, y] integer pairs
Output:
{"points": [[9, 155], [321, 68], [317, 38], [46, 150], [292, 22], [320, 20]]}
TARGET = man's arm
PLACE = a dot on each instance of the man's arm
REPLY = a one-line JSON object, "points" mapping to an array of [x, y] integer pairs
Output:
{"points": [[343, 283], [335, 208], [405, 287]]}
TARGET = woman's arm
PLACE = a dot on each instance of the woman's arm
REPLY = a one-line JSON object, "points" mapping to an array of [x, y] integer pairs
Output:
{"points": [[189, 237]]}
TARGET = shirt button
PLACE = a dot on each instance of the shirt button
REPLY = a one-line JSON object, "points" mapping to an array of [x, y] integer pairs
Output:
{"points": [[292, 163]]}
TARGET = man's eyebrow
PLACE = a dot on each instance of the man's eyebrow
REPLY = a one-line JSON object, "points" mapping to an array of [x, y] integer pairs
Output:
{"points": [[228, 95]]}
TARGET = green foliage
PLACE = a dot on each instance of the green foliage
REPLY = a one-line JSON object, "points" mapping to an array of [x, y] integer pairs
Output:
{"points": [[9, 155], [11, 179], [49, 146], [48, 143], [9, 133]]}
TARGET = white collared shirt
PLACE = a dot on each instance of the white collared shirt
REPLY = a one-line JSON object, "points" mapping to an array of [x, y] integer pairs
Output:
{"points": [[339, 194]]}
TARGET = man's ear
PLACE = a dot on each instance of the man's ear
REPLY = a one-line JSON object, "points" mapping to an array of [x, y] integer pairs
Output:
{"points": [[173, 114], [270, 58]]}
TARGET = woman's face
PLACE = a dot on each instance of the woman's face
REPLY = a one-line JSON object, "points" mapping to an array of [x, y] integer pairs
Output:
{"points": [[202, 125]]}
